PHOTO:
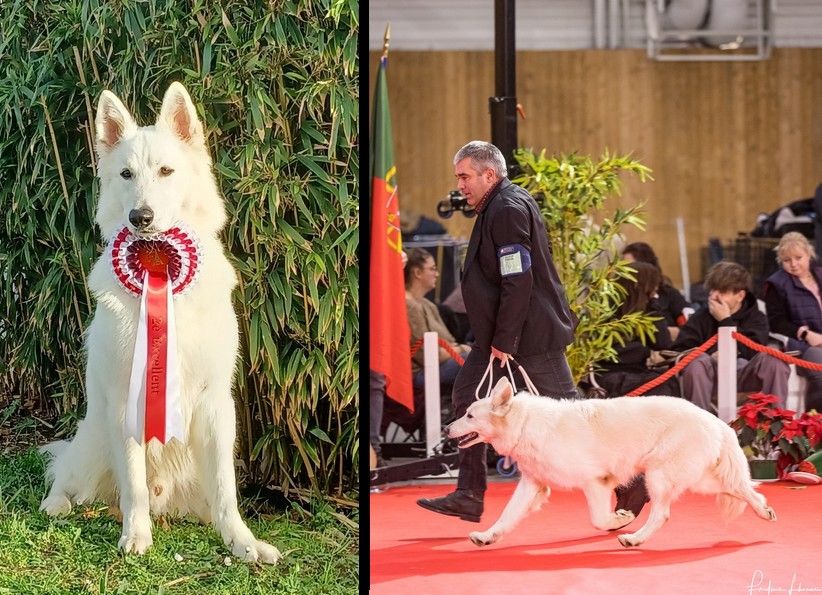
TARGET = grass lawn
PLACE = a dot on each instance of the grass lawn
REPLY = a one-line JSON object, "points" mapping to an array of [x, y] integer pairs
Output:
{"points": [[78, 554]]}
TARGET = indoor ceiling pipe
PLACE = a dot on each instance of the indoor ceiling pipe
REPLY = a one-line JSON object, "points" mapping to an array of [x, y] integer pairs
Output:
{"points": [[599, 24], [613, 24]]}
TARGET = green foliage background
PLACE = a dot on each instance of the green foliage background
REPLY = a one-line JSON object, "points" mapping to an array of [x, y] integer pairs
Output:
{"points": [[275, 84], [574, 190]]}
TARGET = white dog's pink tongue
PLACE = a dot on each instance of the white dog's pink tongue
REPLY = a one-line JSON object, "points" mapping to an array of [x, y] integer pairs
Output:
{"points": [[155, 269]]}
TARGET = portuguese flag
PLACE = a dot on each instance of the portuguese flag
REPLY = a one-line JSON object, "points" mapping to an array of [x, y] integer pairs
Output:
{"points": [[390, 338]]}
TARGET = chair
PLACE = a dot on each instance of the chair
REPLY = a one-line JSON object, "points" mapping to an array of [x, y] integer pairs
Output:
{"points": [[797, 385]]}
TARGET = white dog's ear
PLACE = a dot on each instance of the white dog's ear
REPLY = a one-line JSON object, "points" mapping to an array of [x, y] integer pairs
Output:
{"points": [[179, 116], [501, 397], [112, 123]]}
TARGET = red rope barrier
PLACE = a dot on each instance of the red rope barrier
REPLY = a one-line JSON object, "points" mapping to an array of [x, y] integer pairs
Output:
{"points": [[680, 365], [707, 345], [776, 353], [415, 347]]}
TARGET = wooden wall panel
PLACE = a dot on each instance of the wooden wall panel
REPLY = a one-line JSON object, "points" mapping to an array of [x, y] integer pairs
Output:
{"points": [[725, 140]]}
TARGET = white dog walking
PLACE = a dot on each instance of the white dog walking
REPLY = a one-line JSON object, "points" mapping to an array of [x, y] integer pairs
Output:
{"points": [[158, 366], [598, 444]]}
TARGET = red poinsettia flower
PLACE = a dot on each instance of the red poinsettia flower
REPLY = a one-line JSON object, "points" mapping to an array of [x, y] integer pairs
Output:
{"points": [[763, 398], [750, 416], [791, 429], [811, 424], [777, 432]]}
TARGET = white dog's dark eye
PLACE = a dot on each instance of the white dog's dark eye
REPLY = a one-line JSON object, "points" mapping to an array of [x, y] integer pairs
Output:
{"points": [[469, 416], [166, 171], [126, 173]]}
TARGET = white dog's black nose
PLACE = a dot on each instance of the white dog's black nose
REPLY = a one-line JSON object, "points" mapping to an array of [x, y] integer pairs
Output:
{"points": [[141, 218]]}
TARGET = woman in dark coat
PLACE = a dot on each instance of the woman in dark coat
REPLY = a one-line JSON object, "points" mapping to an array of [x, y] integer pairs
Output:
{"points": [[630, 370], [669, 301], [792, 299]]}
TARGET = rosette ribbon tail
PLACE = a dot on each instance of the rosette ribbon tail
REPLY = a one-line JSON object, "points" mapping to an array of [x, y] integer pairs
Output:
{"points": [[153, 407]]}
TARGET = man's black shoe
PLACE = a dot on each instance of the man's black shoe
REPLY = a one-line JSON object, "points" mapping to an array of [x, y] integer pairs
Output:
{"points": [[465, 504], [632, 496]]}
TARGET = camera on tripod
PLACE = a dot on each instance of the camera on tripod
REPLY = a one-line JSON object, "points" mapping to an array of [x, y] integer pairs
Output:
{"points": [[454, 202]]}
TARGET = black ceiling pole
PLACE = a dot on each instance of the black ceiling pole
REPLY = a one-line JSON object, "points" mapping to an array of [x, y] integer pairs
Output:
{"points": [[503, 106]]}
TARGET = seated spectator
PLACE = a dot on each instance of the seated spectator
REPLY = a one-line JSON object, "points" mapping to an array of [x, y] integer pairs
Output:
{"points": [[670, 302], [792, 298], [423, 316], [630, 370], [730, 303]]}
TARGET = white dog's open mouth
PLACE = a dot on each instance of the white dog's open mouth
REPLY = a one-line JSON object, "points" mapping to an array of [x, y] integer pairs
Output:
{"points": [[467, 439]]}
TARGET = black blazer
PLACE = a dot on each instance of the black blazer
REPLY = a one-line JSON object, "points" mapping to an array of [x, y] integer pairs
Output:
{"points": [[522, 313]]}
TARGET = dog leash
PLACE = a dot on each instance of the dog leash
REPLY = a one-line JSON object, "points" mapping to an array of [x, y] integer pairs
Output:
{"points": [[508, 462], [489, 373], [529, 384]]}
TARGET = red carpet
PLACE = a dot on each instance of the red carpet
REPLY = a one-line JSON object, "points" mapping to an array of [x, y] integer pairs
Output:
{"points": [[556, 550]]}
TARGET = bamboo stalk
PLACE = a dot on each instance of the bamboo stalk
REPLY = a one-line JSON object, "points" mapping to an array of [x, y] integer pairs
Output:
{"points": [[65, 192], [295, 435], [89, 111]]}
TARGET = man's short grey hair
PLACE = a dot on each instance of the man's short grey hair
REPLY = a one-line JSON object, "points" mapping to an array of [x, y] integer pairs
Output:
{"points": [[483, 155]]}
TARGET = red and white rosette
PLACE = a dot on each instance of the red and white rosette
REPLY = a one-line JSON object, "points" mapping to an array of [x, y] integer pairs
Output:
{"points": [[155, 268]]}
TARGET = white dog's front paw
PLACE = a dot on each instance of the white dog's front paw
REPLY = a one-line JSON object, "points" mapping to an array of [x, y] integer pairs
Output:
{"points": [[256, 551], [481, 538], [135, 542], [629, 540], [56, 505]]}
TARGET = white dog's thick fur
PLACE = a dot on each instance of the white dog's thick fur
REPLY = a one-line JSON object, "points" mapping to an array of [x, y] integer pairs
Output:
{"points": [[100, 463], [597, 444]]}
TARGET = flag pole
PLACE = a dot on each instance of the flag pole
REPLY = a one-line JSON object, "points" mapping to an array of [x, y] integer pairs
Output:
{"points": [[385, 41], [390, 335]]}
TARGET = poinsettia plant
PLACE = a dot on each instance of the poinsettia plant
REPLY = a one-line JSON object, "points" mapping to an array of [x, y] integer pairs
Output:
{"points": [[767, 431]]}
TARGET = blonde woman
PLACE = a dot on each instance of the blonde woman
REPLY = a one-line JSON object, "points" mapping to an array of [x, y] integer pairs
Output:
{"points": [[794, 303]]}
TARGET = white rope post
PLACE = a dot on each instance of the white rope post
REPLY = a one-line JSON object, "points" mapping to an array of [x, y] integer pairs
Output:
{"points": [[683, 259], [726, 373], [431, 362]]}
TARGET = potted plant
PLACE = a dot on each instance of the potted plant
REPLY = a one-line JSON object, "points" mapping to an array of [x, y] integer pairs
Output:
{"points": [[798, 443], [774, 439], [572, 190]]}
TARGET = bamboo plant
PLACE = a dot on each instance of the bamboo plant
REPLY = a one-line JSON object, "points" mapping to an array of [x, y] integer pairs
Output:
{"points": [[572, 190], [276, 84]]}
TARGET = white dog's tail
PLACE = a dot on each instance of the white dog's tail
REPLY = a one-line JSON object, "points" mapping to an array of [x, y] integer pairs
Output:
{"points": [[734, 476]]}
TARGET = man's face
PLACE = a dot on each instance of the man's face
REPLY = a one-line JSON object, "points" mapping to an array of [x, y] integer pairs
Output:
{"points": [[471, 183]]}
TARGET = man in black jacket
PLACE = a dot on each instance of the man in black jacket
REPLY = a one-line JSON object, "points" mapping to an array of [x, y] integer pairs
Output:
{"points": [[730, 303], [515, 303]]}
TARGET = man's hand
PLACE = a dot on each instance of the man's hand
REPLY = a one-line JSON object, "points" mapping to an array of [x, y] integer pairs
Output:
{"points": [[501, 356], [719, 309]]}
